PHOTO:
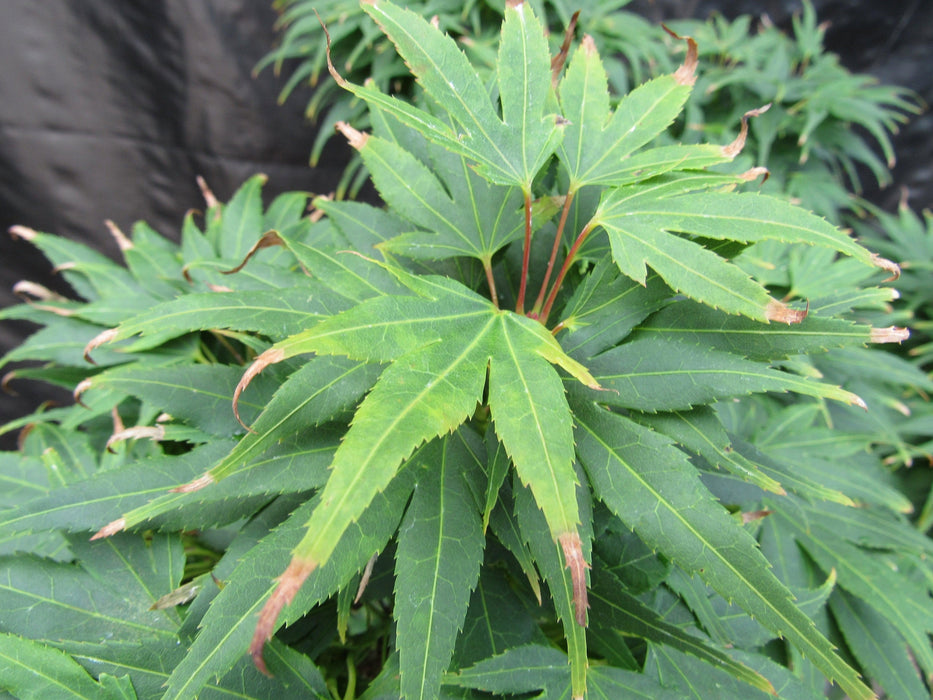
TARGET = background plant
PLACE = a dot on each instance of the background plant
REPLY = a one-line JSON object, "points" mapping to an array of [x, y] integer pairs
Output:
{"points": [[664, 476]]}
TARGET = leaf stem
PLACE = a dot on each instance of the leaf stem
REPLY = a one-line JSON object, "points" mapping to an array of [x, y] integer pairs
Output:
{"points": [[491, 282], [558, 238], [546, 310], [526, 255]]}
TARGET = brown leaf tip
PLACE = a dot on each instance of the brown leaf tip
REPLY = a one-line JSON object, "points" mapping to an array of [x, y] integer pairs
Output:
{"points": [[206, 192], [110, 529], [776, 311], [123, 243], [268, 240], [286, 588], [25, 288], [269, 357], [891, 334], [205, 479], [752, 516], [888, 266], [97, 341], [330, 64], [686, 73], [357, 139], [734, 148], [573, 556], [138, 432], [82, 386], [22, 232]]}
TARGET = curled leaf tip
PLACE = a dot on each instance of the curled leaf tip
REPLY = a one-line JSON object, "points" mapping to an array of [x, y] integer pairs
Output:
{"points": [[25, 288], [5, 383], [753, 174], [82, 386], [110, 529], [686, 73], [891, 334], [887, 266], [341, 81], [269, 239], [573, 555], [138, 432], [734, 148], [97, 341], [269, 357], [558, 60], [435, 22], [123, 243], [776, 311], [357, 139], [286, 588], [752, 516], [205, 479], [22, 232], [206, 192]]}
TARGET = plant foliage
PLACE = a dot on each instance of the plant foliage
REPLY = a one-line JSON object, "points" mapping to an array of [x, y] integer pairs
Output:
{"points": [[533, 427]]}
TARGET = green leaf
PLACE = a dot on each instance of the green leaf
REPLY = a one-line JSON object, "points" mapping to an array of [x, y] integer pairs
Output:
{"points": [[228, 625], [696, 324], [596, 142], [563, 582], [650, 486], [83, 505], [608, 683], [439, 553], [509, 150], [700, 431], [58, 602], [241, 220], [462, 214], [33, 671], [613, 606], [656, 374], [878, 646], [278, 314], [642, 222], [518, 670], [897, 598]]}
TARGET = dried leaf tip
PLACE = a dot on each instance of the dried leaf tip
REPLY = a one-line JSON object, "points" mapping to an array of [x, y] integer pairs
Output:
{"points": [[97, 341], [205, 479], [138, 432], [776, 311], [888, 266], [330, 64], [269, 239], [355, 138], [82, 386], [269, 357], [25, 288], [573, 555], [734, 148], [891, 334], [286, 588], [686, 73], [206, 192], [110, 529], [123, 243], [23, 232]]}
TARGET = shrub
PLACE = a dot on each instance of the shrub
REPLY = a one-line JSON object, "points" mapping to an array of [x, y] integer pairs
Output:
{"points": [[531, 426]]}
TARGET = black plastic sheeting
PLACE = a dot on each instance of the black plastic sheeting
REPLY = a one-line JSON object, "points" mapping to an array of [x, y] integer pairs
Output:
{"points": [[110, 108]]}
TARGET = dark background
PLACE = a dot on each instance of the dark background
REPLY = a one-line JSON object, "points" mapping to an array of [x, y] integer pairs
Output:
{"points": [[110, 108]]}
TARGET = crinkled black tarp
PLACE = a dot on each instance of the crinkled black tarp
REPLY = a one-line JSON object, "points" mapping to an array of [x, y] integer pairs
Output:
{"points": [[110, 108]]}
